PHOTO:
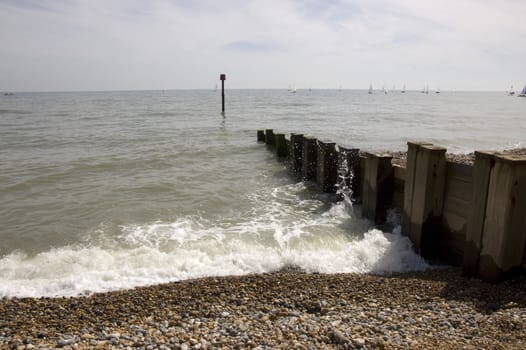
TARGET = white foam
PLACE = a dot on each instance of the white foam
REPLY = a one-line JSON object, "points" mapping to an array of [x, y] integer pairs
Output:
{"points": [[79, 270], [286, 231]]}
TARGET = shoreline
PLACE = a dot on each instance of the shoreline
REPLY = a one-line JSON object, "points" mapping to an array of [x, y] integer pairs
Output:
{"points": [[400, 157], [437, 308]]}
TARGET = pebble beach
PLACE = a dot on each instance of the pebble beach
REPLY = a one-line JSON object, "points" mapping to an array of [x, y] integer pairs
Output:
{"points": [[290, 309]]}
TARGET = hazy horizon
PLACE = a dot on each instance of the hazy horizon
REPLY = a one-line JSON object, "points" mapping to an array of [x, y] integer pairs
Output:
{"points": [[379, 90]]}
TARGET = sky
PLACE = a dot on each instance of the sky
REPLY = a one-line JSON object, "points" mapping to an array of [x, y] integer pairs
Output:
{"points": [[62, 45]]}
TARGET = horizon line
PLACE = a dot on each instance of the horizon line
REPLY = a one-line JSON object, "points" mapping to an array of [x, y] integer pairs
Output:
{"points": [[233, 89]]}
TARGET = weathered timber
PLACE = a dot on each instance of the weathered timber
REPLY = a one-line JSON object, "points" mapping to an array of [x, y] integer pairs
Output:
{"points": [[281, 145], [310, 158], [327, 172], [296, 153], [261, 135], [349, 170], [424, 190], [378, 186], [481, 176], [461, 214], [269, 137], [504, 232]]}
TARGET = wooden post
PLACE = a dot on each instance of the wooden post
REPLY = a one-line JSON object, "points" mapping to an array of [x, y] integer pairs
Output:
{"points": [[222, 77], [261, 135], [412, 152], [281, 145], [327, 172], [349, 170], [310, 158], [424, 190], [481, 175], [377, 192], [296, 153], [269, 137], [504, 233]]}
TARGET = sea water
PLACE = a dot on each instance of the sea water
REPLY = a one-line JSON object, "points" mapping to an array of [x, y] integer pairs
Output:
{"points": [[110, 190]]}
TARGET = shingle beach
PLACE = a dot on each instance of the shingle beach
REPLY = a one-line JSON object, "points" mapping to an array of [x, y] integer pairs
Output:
{"points": [[434, 309]]}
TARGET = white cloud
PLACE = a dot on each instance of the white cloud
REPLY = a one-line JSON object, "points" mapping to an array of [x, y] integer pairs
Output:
{"points": [[119, 44]]}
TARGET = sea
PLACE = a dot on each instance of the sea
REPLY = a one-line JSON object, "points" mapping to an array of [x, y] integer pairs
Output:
{"points": [[103, 191]]}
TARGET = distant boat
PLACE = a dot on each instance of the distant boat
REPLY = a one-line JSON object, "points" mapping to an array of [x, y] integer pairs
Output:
{"points": [[403, 89], [437, 91], [9, 94], [523, 92], [425, 90], [370, 89], [293, 90], [384, 90], [511, 92]]}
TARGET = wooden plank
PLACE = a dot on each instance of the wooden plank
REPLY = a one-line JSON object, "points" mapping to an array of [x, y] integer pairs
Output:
{"points": [[481, 177], [457, 206], [398, 200], [460, 171], [504, 233], [454, 222], [399, 173], [428, 199], [459, 189]]}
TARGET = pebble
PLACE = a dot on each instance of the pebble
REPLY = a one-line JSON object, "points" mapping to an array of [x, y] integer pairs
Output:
{"points": [[288, 309], [400, 158]]}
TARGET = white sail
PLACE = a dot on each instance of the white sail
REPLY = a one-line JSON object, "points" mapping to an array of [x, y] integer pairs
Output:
{"points": [[370, 89]]}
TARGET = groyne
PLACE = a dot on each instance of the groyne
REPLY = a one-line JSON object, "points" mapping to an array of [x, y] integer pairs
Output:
{"points": [[470, 215]]}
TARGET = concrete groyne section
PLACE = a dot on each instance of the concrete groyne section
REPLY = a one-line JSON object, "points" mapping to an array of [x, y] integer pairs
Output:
{"points": [[469, 215]]}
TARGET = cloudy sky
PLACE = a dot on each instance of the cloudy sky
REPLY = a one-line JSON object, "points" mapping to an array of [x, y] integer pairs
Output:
{"points": [[179, 44]]}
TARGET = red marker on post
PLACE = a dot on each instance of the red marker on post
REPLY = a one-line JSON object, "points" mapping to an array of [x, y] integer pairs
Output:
{"points": [[222, 77]]}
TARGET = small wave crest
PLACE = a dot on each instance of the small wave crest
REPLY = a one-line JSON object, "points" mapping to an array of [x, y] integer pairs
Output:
{"points": [[191, 248]]}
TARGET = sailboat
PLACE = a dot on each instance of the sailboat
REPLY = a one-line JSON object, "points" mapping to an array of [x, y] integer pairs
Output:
{"points": [[511, 92], [403, 89], [437, 91], [523, 92], [370, 89], [293, 90], [426, 89]]}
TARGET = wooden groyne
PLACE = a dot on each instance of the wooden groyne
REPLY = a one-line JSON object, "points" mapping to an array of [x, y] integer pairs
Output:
{"points": [[469, 215]]}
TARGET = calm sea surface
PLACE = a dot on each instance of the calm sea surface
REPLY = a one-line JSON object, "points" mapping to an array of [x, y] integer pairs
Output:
{"points": [[109, 190]]}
